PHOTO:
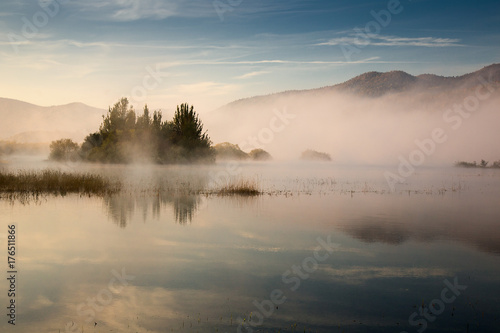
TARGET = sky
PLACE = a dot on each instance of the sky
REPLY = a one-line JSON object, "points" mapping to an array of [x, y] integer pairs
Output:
{"points": [[209, 53]]}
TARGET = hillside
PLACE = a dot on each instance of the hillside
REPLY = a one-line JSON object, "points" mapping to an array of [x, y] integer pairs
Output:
{"points": [[25, 122], [376, 84]]}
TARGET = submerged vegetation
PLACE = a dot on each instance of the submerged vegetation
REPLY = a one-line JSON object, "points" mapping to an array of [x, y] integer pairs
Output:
{"points": [[483, 164], [123, 137], [32, 184]]}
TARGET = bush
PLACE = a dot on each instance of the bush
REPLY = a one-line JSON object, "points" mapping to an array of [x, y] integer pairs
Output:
{"points": [[260, 155], [64, 150], [228, 151]]}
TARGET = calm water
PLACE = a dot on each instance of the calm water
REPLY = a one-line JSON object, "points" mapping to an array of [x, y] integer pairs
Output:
{"points": [[326, 249]]}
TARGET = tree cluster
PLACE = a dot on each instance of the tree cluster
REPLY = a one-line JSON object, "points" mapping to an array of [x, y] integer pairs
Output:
{"points": [[124, 137]]}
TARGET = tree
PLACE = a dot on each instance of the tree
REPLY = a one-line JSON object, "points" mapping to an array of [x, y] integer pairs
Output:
{"points": [[144, 122], [120, 117], [187, 132], [64, 150], [260, 155], [123, 137], [90, 147]]}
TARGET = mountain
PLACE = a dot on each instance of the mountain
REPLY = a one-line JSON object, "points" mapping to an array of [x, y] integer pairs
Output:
{"points": [[376, 84], [25, 122]]}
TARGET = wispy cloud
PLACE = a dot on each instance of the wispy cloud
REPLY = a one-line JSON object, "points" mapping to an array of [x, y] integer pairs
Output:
{"points": [[252, 74], [132, 10], [379, 40], [268, 62]]}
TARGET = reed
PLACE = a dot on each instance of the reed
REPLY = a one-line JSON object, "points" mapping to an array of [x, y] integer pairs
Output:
{"points": [[55, 182], [242, 187]]}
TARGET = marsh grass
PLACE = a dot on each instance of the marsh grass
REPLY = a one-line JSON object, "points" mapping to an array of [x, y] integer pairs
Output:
{"points": [[241, 187], [26, 184]]}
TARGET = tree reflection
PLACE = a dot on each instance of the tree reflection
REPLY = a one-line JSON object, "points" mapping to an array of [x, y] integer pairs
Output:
{"points": [[122, 208]]}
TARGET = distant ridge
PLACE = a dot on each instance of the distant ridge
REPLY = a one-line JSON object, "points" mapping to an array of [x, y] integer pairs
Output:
{"points": [[376, 84], [25, 122]]}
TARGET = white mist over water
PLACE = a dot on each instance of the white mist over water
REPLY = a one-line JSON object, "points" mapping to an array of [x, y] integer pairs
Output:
{"points": [[362, 130]]}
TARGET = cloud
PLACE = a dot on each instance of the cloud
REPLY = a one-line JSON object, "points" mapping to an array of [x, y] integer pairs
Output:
{"points": [[378, 40], [268, 62], [41, 302], [133, 10], [252, 74]]}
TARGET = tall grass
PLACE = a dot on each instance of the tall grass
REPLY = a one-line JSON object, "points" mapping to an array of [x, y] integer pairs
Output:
{"points": [[35, 183], [242, 187]]}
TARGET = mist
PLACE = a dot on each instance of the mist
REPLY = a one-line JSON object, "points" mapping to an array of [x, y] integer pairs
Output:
{"points": [[365, 130], [434, 121]]}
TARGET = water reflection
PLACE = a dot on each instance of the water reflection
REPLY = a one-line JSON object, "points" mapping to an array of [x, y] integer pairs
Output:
{"points": [[476, 227], [451, 218], [372, 230], [394, 253], [203, 278], [122, 207]]}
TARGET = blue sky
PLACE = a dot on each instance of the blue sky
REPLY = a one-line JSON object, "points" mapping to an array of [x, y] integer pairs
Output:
{"points": [[209, 53]]}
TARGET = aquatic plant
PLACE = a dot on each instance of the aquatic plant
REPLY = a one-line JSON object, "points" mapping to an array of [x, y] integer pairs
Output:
{"points": [[242, 187], [35, 183]]}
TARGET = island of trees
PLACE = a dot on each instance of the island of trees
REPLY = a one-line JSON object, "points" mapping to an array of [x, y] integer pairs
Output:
{"points": [[124, 137]]}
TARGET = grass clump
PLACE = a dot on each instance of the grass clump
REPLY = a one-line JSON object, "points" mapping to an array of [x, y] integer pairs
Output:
{"points": [[242, 187], [35, 183]]}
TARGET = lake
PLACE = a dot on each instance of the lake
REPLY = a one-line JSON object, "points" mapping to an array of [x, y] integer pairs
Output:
{"points": [[326, 248]]}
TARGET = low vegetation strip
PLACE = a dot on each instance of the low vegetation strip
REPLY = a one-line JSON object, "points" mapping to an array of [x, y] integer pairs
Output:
{"points": [[28, 185], [483, 164], [55, 182], [243, 188]]}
